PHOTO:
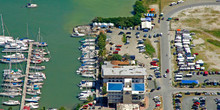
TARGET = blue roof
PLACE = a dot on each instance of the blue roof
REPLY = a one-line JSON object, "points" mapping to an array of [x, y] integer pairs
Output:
{"points": [[115, 87], [151, 15], [138, 87], [189, 81]]}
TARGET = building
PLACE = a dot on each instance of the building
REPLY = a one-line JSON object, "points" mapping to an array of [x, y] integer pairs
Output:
{"points": [[125, 84], [114, 73], [146, 25], [127, 107]]}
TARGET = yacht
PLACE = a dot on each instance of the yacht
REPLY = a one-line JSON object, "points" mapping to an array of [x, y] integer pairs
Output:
{"points": [[32, 99], [10, 94], [9, 60], [35, 80], [31, 5], [87, 75], [40, 44], [88, 84], [36, 61], [15, 56], [39, 68], [17, 89], [31, 104], [77, 34], [11, 85], [14, 80], [34, 93], [11, 102]]}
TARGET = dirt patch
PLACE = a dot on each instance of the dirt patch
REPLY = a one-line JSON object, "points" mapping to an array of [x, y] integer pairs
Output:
{"points": [[198, 41], [202, 17]]}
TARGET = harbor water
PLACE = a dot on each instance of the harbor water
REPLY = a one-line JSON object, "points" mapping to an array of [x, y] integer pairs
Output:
{"points": [[56, 19]]}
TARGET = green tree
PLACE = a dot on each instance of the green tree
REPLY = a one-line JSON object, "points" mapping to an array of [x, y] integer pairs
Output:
{"points": [[62, 108], [90, 98], [116, 57], [10, 108], [104, 91]]}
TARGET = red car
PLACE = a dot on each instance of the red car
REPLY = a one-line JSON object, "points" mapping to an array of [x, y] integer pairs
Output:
{"points": [[167, 71]]}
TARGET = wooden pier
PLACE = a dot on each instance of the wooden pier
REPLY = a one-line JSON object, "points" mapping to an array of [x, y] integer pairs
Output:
{"points": [[26, 77]]}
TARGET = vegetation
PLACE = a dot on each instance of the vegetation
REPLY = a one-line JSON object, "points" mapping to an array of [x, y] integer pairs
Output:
{"points": [[62, 108], [124, 39], [10, 108], [90, 98], [126, 21], [116, 57], [214, 33], [149, 48], [214, 42], [101, 44], [78, 106], [104, 91]]}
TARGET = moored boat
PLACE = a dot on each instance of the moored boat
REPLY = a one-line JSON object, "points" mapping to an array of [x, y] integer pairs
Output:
{"points": [[11, 102]]}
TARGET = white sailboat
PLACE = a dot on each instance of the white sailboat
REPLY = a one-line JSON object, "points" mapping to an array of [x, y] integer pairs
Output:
{"points": [[11, 102]]}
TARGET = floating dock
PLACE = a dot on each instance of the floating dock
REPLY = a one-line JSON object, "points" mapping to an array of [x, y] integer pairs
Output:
{"points": [[26, 77]]}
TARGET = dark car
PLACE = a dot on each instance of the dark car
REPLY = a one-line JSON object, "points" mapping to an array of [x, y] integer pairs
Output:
{"points": [[206, 80], [120, 33], [145, 35], [109, 31], [149, 36], [158, 88], [187, 93], [128, 32], [137, 33], [152, 90], [128, 36]]}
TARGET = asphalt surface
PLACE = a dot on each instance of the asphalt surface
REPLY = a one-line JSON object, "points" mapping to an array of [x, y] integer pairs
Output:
{"points": [[166, 89]]}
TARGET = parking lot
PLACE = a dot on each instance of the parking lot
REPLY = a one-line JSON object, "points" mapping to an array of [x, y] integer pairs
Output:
{"points": [[187, 102], [131, 48]]}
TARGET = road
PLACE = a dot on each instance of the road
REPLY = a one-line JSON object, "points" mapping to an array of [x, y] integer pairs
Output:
{"points": [[165, 83]]}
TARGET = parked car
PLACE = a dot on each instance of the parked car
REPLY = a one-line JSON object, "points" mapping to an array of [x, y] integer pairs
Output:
{"points": [[137, 33], [158, 88], [128, 32], [109, 31], [152, 90], [145, 35], [121, 33]]}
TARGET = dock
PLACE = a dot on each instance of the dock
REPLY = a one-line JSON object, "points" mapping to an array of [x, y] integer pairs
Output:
{"points": [[26, 77]]}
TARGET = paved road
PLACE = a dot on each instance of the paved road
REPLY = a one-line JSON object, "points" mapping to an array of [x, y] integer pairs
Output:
{"points": [[165, 83]]}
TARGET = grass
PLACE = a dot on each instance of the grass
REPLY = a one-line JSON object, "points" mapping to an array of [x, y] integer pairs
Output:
{"points": [[191, 21], [149, 48], [124, 39], [214, 42], [215, 33]]}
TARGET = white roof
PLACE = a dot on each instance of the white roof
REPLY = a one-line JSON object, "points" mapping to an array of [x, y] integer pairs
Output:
{"points": [[146, 24]]}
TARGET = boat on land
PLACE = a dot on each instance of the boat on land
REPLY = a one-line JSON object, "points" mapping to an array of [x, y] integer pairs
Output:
{"points": [[11, 102]]}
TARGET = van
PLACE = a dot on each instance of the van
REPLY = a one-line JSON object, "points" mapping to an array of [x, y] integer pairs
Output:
{"points": [[178, 79], [178, 76]]}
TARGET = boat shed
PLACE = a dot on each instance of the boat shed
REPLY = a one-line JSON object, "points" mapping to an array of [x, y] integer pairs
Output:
{"points": [[146, 25], [189, 82]]}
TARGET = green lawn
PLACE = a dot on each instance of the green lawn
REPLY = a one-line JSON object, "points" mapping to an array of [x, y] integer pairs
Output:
{"points": [[215, 33], [214, 42], [149, 48]]}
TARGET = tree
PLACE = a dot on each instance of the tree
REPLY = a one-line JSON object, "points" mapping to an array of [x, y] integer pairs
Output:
{"points": [[116, 57], [10, 108], [90, 98], [104, 91], [62, 108]]}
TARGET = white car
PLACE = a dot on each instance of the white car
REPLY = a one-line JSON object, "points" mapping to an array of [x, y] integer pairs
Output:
{"points": [[180, 1], [165, 75], [173, 3]]}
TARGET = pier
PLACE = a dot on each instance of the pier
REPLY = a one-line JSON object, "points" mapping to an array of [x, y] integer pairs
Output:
{"points": [[26, 77]]}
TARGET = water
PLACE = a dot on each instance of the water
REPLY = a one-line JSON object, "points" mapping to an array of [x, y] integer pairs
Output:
{"points": [[56, 19]]}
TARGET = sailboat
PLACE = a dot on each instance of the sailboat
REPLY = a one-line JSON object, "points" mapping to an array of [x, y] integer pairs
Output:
{"points": [[31, 5], [11, 102]]}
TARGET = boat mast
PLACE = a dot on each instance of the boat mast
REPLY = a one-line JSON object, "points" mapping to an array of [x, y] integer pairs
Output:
{"points": [[3, 30], [27, 31]]}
